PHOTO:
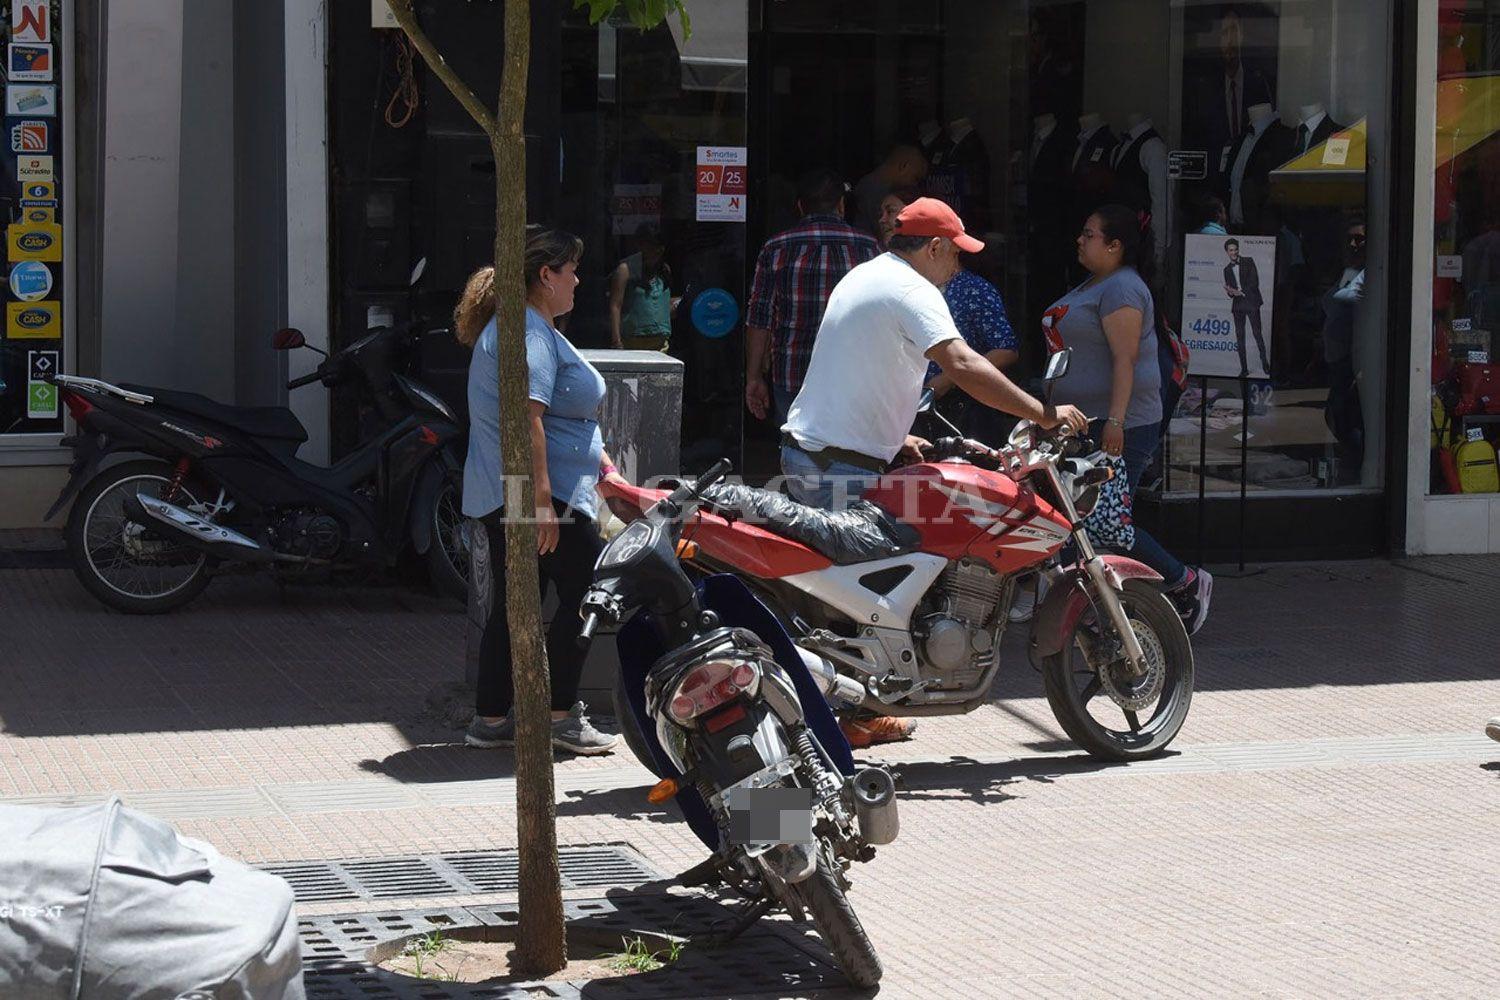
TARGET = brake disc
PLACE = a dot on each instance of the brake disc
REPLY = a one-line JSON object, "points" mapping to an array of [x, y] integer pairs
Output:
{"points": [[1135, 693]]}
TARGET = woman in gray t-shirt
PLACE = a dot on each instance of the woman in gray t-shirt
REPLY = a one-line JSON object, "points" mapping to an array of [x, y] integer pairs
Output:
{"points": [[1110, 323]]}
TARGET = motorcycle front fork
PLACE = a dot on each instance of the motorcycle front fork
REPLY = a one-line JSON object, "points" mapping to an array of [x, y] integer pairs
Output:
{"points": [[1106, 587]]}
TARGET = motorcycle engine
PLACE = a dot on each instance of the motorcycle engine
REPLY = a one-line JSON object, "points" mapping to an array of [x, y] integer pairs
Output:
{"points": [[309, 533], [958, 622]]}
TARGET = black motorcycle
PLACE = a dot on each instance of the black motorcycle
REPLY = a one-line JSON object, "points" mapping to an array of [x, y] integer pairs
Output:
{"points": [[224, 484]]}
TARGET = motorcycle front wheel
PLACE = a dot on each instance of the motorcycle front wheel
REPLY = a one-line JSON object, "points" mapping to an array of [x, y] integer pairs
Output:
{"points": [[1101, 707], [822, 895]]}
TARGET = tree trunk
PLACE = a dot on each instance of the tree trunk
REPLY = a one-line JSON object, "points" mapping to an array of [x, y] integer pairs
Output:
{"points": [[541, 944]]}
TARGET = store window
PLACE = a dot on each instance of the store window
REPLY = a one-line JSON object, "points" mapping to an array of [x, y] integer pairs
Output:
{"points": [[1261, 125], [1465, 397], [31, 189]]}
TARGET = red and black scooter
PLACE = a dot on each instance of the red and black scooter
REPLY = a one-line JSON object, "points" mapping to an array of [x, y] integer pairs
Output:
{"points": [[223, 484]]}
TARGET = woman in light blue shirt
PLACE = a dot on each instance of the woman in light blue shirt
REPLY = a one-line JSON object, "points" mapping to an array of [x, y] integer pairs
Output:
{"points": [[567, 461]]}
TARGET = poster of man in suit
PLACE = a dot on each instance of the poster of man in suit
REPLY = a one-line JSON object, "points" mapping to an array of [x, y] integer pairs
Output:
{"points": [[1227, 294], [1229, 65]]}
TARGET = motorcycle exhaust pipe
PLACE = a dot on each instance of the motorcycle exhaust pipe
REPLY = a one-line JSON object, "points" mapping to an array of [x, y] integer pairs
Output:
{"points": [[834, 685], [193, 530], [875, 805]]}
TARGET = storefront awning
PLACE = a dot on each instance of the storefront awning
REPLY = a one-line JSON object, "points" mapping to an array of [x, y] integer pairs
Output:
{"points": [[714, 58], [1332, 173]]}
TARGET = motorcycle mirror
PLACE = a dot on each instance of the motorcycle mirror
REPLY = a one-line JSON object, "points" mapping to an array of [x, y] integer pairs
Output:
{"points": [[924, 404], [288, 339], [1058, 363], [417, 270]]}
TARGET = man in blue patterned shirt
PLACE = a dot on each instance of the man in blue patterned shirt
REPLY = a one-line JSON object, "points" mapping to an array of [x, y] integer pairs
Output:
{"points": [[794, 275]]}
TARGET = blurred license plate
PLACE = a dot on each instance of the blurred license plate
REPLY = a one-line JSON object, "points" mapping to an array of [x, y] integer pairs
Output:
{"points": [[766, 817]]}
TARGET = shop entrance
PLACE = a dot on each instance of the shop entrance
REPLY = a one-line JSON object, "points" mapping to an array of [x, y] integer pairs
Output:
{"points": [[1218, 121]]}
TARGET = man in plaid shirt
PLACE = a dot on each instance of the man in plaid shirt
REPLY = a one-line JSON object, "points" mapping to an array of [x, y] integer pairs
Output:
{"points": [[794, 275]]}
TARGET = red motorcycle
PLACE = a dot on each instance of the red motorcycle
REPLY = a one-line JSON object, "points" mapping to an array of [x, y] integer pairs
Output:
{"points": [[898, 604]]}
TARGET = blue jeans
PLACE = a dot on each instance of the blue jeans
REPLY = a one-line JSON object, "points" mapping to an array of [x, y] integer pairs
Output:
{"points": [[1140, 447], [831, 488]]}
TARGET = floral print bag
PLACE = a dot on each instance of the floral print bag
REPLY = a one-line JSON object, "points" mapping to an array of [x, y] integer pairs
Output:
{"points": [[1110, 525]]}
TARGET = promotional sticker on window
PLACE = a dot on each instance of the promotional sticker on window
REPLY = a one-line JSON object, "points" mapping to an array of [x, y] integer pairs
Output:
{"points": [[30, 280], [30, 63], [41, 395], [32, 321], [36, 99], [723, 183], [30, 21], [34, 241]]}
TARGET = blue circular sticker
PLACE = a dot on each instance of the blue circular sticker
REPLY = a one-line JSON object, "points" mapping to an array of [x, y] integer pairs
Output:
{"points": [[30, 280], [715, 313]]}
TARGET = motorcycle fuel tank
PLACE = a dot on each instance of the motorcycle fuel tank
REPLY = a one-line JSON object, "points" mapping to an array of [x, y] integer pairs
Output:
{"points": [[961, 511]]}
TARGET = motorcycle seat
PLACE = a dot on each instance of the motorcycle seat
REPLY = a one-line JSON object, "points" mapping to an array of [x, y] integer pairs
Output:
{"points": [[863, 532], [275, 423]]}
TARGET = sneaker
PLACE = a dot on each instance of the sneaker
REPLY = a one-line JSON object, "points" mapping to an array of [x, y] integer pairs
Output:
{"points": [[881, 729], [577, 734], [1192, 599], [1492, 728], [491, 734]]}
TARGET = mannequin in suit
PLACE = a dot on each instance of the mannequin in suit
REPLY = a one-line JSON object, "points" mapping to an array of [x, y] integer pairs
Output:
{"points": [[1091, 175], [1265, 145], [1050, 247], [1314, 129], [960, 175], [1242, 284], [1139, 163]]}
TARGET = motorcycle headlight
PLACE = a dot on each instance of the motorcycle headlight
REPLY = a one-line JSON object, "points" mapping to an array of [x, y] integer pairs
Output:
{"points": [[710, 685], [626, 546]]}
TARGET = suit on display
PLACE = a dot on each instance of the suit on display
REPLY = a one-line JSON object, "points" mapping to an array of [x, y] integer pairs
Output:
{"points": [[1245, 181], [1140, 175], [1092, 176], [1048, 208], [1242, 275]]}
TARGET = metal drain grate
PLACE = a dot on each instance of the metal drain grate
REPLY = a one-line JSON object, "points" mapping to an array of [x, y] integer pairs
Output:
{"points": [[772, 957], [467, 874]]}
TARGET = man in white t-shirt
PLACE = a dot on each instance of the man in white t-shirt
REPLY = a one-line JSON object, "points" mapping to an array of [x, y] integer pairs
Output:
{"points": [[885, 320]]}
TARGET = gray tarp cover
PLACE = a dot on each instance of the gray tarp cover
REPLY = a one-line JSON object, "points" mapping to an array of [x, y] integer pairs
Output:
{"points": [[858, 534], [104, 903]]}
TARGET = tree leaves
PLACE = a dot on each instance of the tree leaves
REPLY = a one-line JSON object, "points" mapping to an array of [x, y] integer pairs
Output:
{"points": [[643, 14]]}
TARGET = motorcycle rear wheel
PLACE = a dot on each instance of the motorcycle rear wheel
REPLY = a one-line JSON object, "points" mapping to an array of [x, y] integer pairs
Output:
{"points": [[448, 552], [822, 895], [116, 559], [1160, 629]]}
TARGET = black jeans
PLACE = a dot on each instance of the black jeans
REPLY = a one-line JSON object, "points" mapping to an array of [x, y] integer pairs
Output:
{"points": [[570, 568]]}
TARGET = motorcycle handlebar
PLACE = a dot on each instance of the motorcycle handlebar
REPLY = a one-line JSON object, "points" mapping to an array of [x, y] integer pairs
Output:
{"points": [[687, 491], [307, 379], [590, 624]]}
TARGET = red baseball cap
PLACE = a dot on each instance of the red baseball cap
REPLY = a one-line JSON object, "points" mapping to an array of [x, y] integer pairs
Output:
{"points": [[930, 217]]}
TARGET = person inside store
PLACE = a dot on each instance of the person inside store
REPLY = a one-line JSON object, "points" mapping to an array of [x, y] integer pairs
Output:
{"points": [[1207, 215], [890, 208], [567, 462], [640, 295], [903, 167], [1342, 412], [795, 273], [885, 321], [1111, 323]]}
